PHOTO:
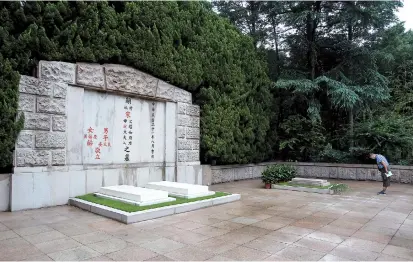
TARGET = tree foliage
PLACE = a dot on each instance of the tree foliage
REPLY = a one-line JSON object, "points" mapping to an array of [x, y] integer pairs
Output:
{"points": [[302, 80], [339, 65], [184, 43]]}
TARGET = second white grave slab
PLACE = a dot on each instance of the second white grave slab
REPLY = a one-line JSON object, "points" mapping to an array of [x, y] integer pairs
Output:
{"points": [[181, 189]]}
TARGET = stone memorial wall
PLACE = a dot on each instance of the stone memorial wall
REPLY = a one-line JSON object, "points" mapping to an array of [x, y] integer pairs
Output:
{"points": [[91, 125]]}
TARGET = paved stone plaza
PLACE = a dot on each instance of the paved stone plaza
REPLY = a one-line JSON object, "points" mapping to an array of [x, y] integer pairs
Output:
{"points": [[264, 225]]}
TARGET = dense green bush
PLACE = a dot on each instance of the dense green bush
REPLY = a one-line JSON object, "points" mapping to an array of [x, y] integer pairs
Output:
{"points": [[301, 139], [389, 134], [278, 173], [9, 127], [184, 43]]}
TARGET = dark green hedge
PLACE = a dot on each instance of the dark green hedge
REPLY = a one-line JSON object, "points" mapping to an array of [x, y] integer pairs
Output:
{"points": [[184, 43]]}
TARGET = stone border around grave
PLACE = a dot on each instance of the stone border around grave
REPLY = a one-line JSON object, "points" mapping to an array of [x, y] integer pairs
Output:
{"points": [[133, 217], [304, 189]]}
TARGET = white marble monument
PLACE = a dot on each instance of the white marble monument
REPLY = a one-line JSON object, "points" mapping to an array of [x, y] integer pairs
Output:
{"points": [[92, 125], [183, 190], [135, 195]]}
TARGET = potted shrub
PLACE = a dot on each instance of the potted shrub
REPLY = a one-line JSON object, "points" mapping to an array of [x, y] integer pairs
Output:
{"points": [[267, 179], [278, 173]]}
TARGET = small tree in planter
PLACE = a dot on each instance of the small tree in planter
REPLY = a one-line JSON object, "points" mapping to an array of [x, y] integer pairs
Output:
{"points": [[278, 173]]}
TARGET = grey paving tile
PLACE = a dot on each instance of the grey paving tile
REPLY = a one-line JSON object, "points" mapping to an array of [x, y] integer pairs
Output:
{"points": [[266, 244], [188, 225], [401, 242], [159, 258], [296, 230], [57, 245], [327, 237], [76, 254], [188, 237], [353, 253], [108, 246], [384, 257], [329, 257], [316, 244], [398, 252], [27, 231], [163, 245], [3, 227], [44, 237], [300, 253], [211, 231], [372, 236], [276, 257], [190, 253], [237, 238], [228, 225], [215, 245], [139, 238], [92, 237], [220, 258], [37, 257], [364, 244], [99, 258], [245, 220], [7, 234], [132, 254], [245, 254], [284, 237], [340, 231]]}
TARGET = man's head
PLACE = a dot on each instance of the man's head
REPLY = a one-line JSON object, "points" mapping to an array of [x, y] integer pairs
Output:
{"points": [[372, 155]]}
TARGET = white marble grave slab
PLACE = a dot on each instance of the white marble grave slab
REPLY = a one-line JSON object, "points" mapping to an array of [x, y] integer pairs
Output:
{"points": [[134, 195], [310, 181], [181, 189]]}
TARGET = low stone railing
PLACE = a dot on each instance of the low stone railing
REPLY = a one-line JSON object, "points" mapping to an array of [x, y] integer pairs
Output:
{"points": [[221, 174]]}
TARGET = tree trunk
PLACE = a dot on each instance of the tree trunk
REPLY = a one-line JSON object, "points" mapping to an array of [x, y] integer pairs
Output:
{"points": [[253, 20], [277, 52], [351, 124], [310, 35], [351, 112]]}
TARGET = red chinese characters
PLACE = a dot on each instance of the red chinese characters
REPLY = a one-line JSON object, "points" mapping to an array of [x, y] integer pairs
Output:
{"points": [[90, 136], [97, 151], [106, 137]]}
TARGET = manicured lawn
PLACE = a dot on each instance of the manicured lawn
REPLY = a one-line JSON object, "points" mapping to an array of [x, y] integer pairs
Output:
{"points": [[132, 208]]}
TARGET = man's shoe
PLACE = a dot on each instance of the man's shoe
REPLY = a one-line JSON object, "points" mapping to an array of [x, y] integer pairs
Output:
{"points": [[381, 193]]}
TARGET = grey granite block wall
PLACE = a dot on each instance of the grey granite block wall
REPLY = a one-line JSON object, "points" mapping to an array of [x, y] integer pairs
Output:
{"points": [[401, 174]]}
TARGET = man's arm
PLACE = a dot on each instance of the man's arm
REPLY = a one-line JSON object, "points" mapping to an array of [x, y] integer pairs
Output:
{"points": [[385, 167]]}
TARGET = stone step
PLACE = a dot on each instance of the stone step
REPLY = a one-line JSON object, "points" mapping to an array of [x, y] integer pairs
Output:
{"points": [[181, 189]]}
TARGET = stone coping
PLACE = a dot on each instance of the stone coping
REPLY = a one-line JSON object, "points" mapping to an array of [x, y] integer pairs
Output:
{"points": [[372, 166], [304, 189], [133, 217], [100, 167]]}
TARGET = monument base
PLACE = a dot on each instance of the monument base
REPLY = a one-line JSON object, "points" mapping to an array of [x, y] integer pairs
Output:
{"points": [[133, 217], [182, 190]]}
